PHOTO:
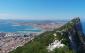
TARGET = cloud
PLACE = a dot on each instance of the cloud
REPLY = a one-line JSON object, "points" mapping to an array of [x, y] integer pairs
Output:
{"points": [[17, 16], [11, 16]]}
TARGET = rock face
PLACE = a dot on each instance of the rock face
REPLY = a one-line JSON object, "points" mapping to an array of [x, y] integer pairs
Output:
{"points": [[67, 39], [76, 36], [73, 31]]}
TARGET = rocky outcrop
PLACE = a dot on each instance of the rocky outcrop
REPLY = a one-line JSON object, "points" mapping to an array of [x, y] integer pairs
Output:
{"points": [[67, 39], [74, 36]]}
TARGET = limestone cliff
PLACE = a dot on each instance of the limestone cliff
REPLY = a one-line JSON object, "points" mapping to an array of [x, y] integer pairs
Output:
{"points": [[67, 39], [74, 35]]}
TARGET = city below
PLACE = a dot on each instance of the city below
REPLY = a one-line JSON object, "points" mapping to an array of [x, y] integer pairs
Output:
{"points": [[17, 33]]}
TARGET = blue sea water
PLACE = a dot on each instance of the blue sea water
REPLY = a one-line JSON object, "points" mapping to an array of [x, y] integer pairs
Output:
{"points": [[9, 26], [83, 25]]}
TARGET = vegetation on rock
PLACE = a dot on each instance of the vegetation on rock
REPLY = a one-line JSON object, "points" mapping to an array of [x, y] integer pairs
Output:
{"points": [[40, 43]]}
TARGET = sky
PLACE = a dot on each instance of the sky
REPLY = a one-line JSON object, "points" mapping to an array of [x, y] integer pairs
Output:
{"points": [[42, 9]]}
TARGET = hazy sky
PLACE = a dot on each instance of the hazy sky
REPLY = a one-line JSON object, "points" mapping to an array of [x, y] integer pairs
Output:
{"points": [[41, 9]]}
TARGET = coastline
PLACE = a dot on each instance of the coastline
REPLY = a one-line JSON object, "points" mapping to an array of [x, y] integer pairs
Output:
{"points": [[12, 40]]}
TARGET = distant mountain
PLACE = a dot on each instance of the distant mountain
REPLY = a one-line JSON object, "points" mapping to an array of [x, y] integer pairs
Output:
{"points": [[67, 39]]}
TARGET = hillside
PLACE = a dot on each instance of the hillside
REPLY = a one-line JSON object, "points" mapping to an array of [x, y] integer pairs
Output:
{"points": [[67, 39]]}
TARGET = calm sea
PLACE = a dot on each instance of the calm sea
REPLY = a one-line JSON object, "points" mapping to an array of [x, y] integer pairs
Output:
{"points": [[83, 25], [10, 26]]}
